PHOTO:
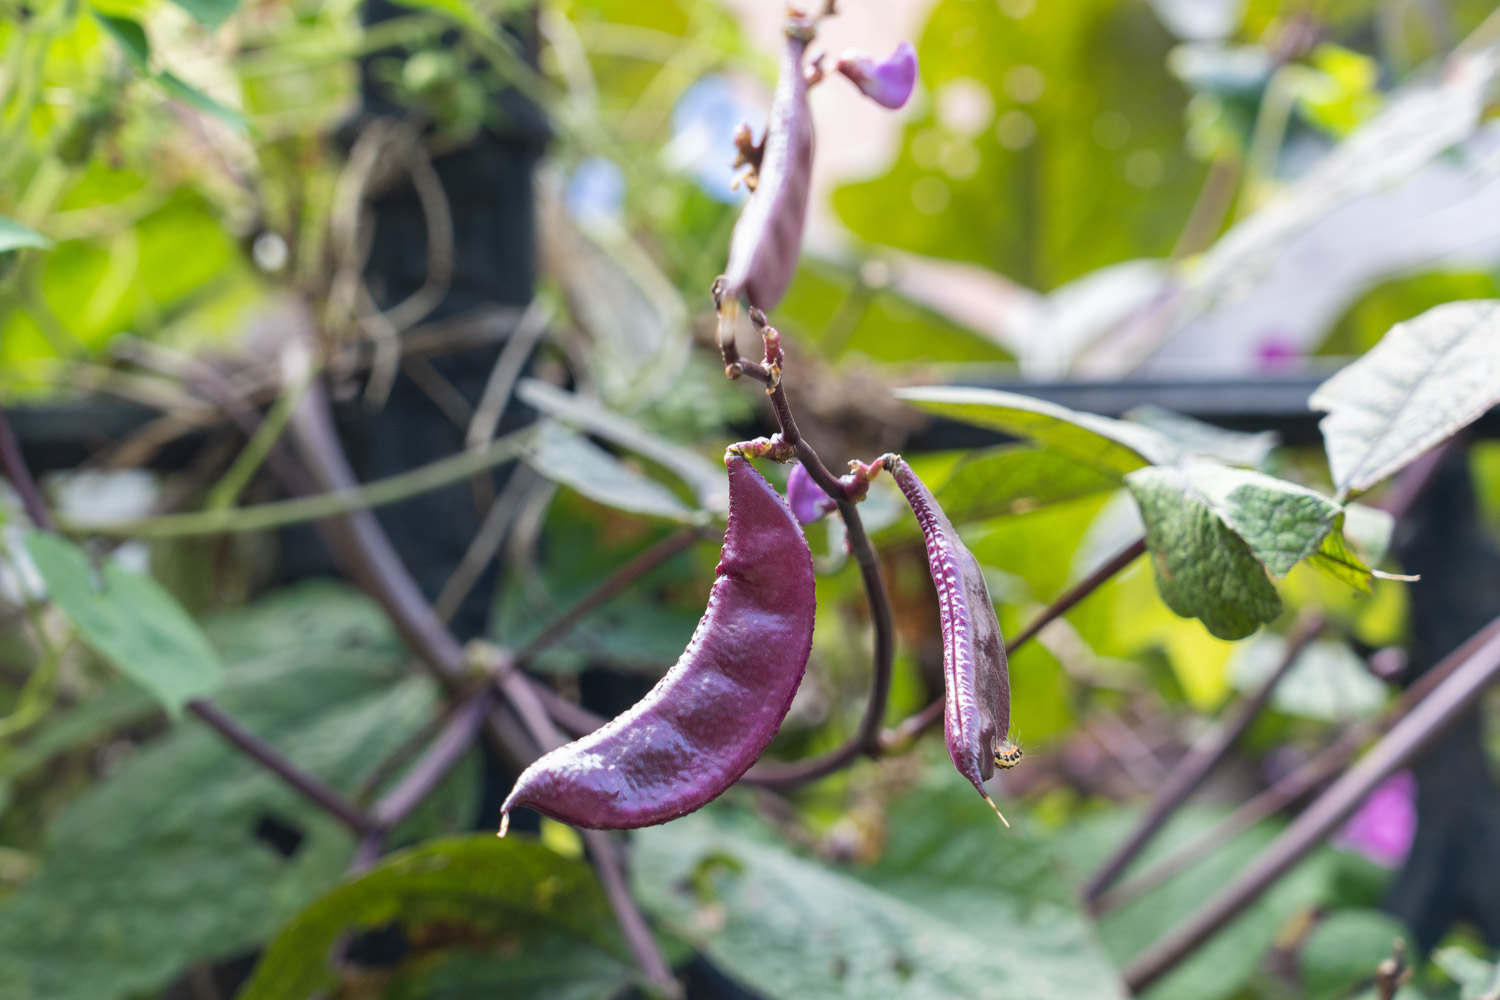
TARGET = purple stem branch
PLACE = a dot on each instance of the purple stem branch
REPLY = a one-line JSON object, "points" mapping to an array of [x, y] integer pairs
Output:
{"points": [[1468, 672], [866, 739], [452, 742], [1191, 772], [619, 580]]}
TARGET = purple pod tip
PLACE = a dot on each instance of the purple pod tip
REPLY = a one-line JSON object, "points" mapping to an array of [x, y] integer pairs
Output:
{"points": [[888, 82], [806, 498]]}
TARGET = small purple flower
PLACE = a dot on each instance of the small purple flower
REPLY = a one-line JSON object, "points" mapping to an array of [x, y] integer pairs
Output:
{"points": [[1383, 828], [888, 83], [1276, 353], [806, 498]]}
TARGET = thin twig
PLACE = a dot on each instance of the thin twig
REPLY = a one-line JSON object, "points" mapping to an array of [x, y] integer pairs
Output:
{"points": [[619, 580], [455, 740], [867, 738], [1200, 762], [1473, 668], [20, 478], [312, 788], [914, 725]]}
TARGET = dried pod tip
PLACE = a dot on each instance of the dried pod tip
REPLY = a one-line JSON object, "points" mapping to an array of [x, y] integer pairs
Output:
{"points": [[888, 82], [997, 811], [806, 498]]}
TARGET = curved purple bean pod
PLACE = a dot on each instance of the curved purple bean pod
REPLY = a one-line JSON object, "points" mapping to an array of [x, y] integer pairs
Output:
{"points": [[767, 238], [976, 678], [715, 712]]}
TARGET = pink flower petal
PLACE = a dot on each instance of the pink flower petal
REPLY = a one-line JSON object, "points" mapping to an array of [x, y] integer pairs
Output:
{"points": [[1383, 828], [888, 83], [806, 498]]}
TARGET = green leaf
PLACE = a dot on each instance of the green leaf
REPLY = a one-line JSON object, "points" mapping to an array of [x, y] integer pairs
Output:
{"points": [[1427, 379], [1013, 479], [1203, 568], [129, 620], [956, 907], [549, 966], [1282, 522], [1338, 560], [1344, 949], [1476, 978], [188, 94], [705, 477], [1328, 681], [1110, 446], [573, 460], [167, 861], [1043, 120], [14, 236], [1194, 437], [131, 37], [1229, 960], [209, 13], [481, 884]]}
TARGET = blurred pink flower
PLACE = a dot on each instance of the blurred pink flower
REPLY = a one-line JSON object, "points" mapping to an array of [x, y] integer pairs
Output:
{"points": [[889, 82], [1383, 828], [1276, 353]]}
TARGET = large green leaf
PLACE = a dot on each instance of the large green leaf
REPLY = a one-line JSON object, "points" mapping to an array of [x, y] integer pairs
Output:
{"points": [[957, 906], [1282, 522], [1044, 121], [171, 859], [1115, 447], [545, 914], [1344, 949], [1014, 479], [1426, 379], [129, 620], [1227, 962], [14, 236], [573, 460], [1328, 681], [1203, 569]]}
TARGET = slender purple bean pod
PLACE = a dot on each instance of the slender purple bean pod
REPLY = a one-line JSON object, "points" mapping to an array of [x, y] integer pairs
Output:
{"points": [[976, 678], [767, 238], [715, 712]]}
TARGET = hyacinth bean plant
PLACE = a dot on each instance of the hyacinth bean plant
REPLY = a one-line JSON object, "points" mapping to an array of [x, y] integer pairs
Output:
{"points": [[929, 905]]}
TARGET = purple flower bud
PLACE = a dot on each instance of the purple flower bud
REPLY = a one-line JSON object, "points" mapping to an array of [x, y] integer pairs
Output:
{"points": [[806, 498], [888, 83]]}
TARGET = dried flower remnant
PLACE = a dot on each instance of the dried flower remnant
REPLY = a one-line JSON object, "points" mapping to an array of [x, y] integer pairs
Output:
{"points": [[888, 82], [976, 679], [713, 714]]}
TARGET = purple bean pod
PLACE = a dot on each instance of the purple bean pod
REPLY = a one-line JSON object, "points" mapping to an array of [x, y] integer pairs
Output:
{"points": [[767, 238], [806, 498], [715, 712], [976, 679]]}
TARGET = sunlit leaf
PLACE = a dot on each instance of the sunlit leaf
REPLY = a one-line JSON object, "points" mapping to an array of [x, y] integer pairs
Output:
{"points": [[571, 459], [1012, 479], [1427, 379], [1476, 978], [487, 886], [705, 477], [210, 13], [1194, 437], [1111, 446], [129, 620], [1328, 681], [131, 36], [14, 236]]}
